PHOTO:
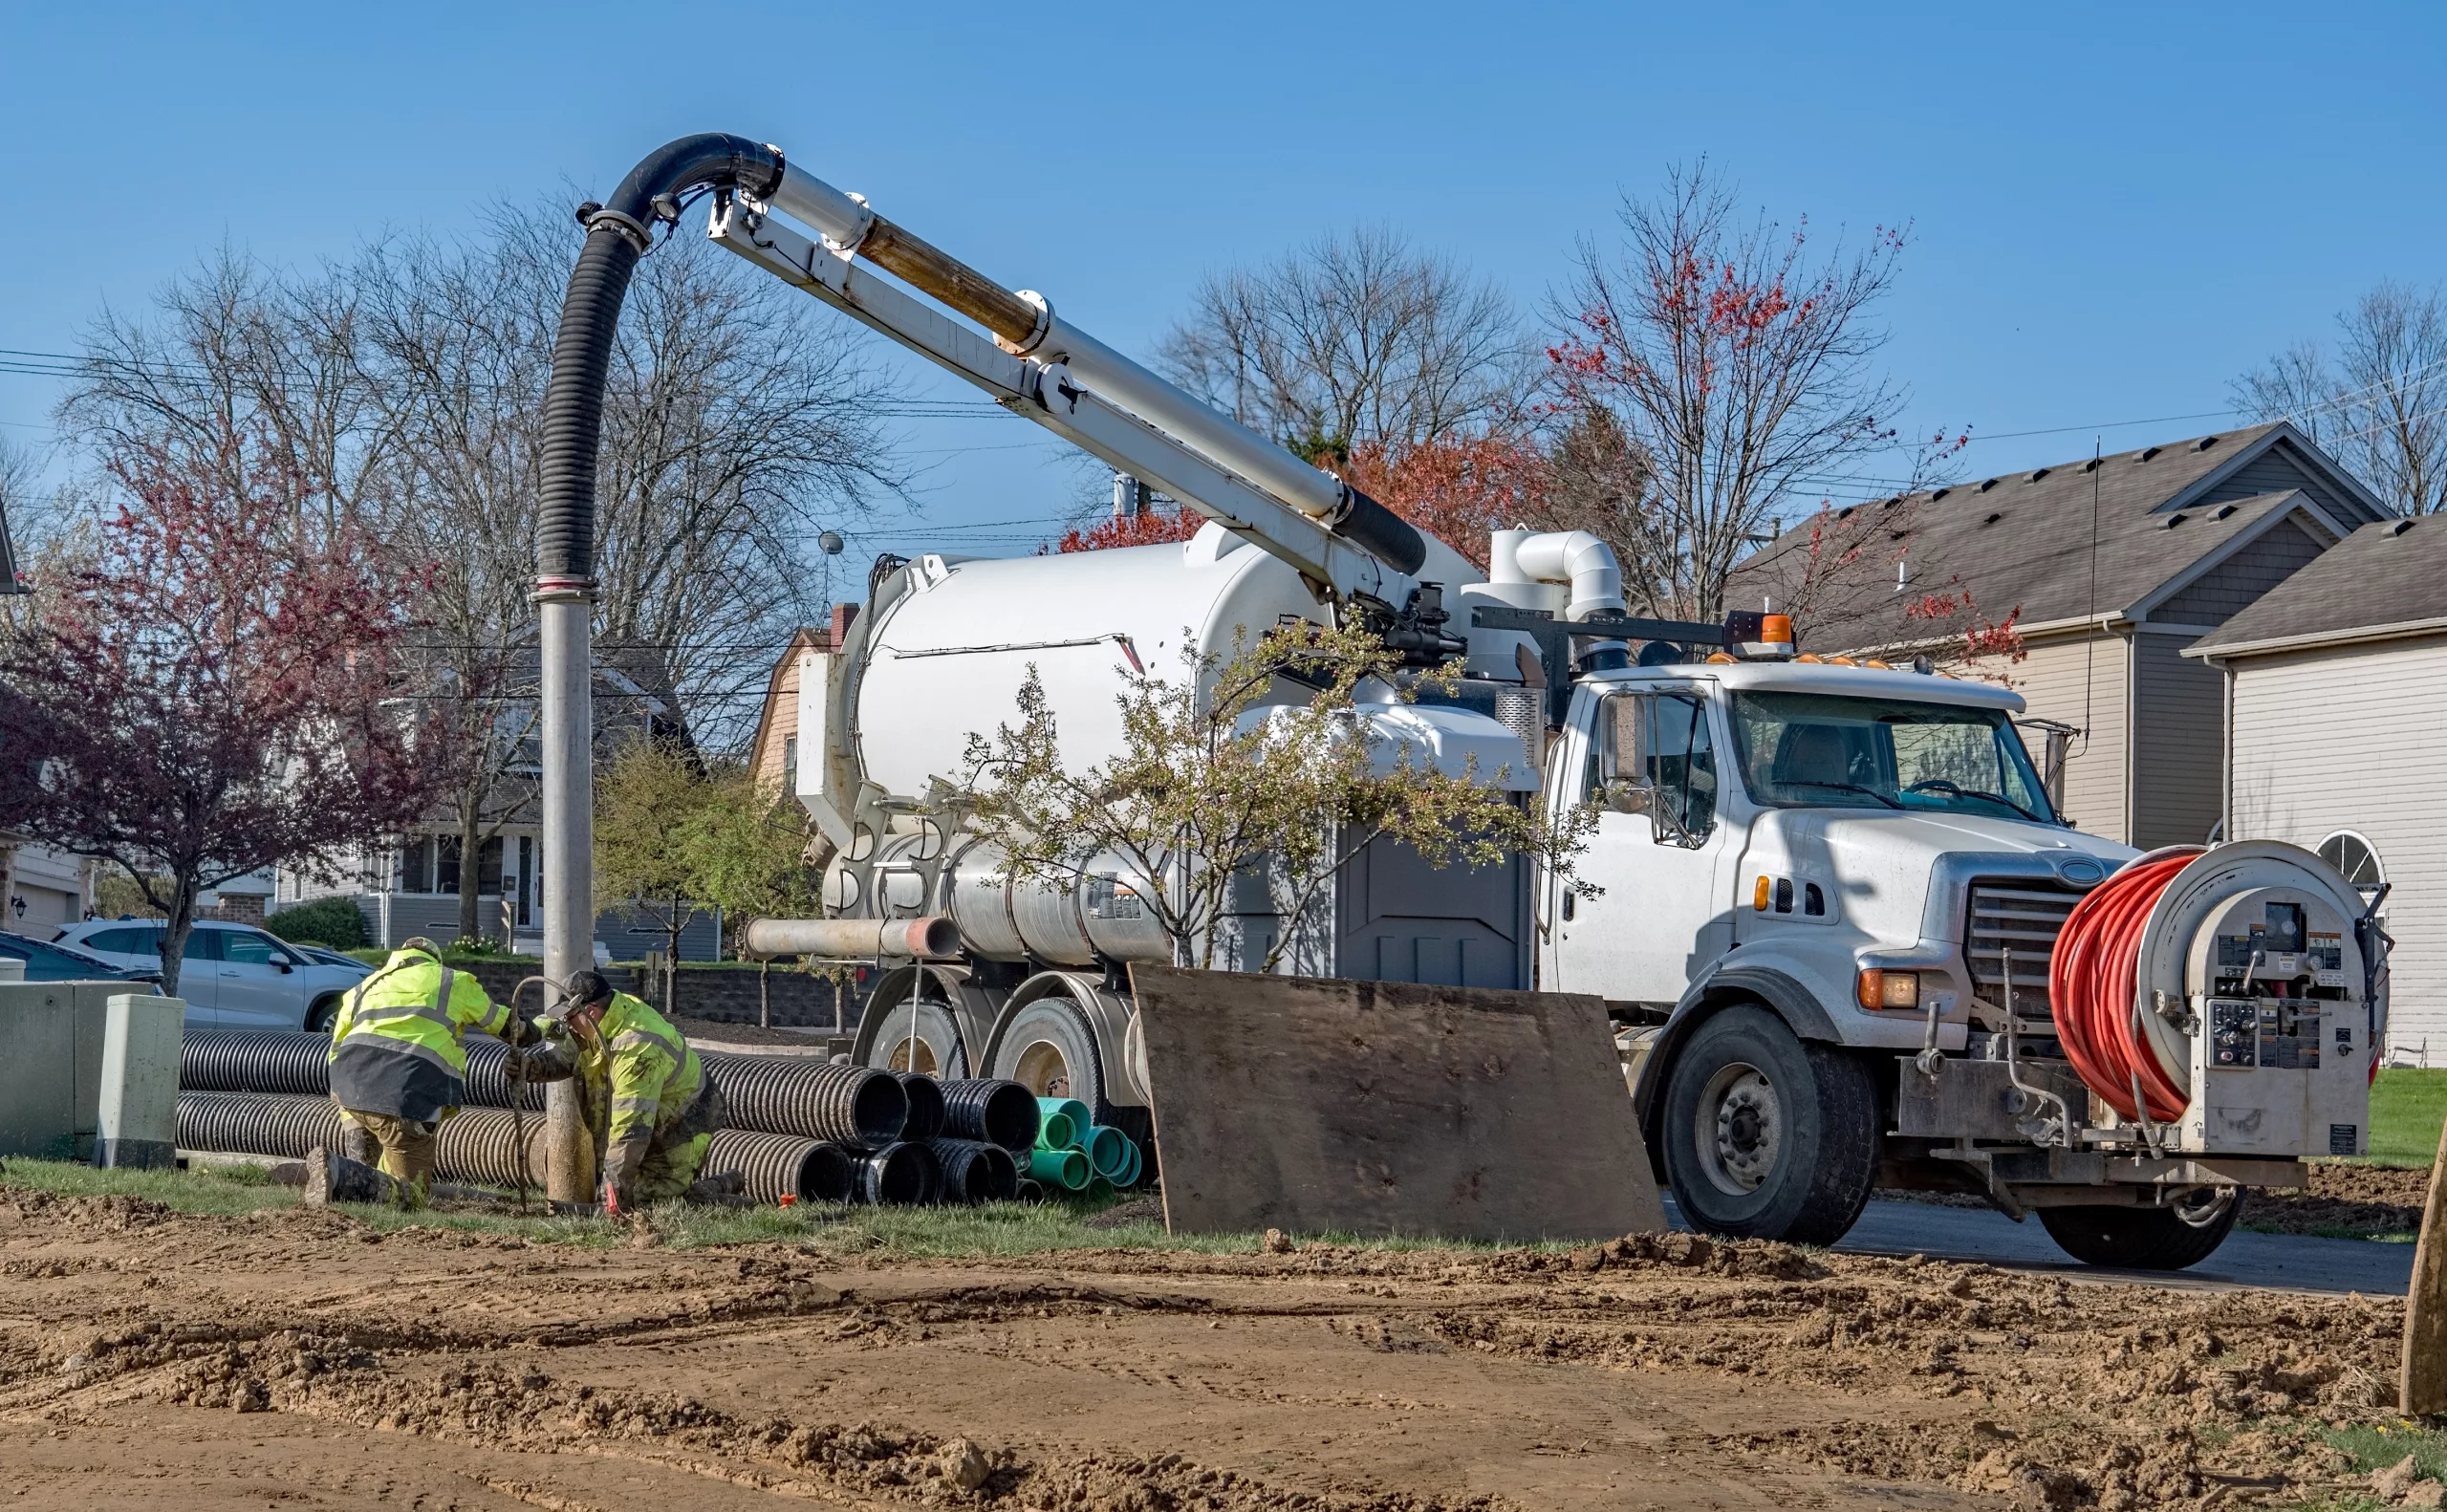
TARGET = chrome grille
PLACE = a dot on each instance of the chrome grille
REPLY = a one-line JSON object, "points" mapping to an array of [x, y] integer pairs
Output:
{"points": [[2025, 919]]}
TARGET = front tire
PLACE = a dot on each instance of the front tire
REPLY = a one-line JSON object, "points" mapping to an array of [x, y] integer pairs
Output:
{"points": [[1767, 1137], [2169, 1238], [319, 1017]]}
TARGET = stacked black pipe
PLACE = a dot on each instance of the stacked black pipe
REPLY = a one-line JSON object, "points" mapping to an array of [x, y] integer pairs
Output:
{"points": [[799, 1127], [815, 1099], [990, 1110]]}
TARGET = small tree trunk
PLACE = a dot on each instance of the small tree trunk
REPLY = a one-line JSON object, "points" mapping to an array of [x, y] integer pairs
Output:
{"points": [[677, 922], [470, 848], [764, 994], [176, 928]]}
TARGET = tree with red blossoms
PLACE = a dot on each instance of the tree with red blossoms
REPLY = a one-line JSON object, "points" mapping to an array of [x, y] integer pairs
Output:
{"points": [[208, 689], [1146, 528], [1457, 489], [1737, 366]]}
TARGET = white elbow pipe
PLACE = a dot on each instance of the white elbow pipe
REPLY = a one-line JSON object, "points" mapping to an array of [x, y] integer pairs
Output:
{"points": [[1575, 557]]}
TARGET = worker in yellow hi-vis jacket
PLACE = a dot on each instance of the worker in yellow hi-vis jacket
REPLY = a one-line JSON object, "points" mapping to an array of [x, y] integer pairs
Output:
{"points": [[398, 1067], [645, 1094]]}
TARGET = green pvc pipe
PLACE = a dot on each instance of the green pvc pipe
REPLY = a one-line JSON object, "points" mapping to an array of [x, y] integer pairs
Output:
{"points": [[1107, 1148], [1099, 1188], [1067, 1169], [1130, 1173], [1076, 1119]]}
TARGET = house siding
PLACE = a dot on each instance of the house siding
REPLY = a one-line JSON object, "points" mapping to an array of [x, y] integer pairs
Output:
{"points": [[2179, 746], [2230, 588], [2296, 780], [2051, 680], [2274, 471]]}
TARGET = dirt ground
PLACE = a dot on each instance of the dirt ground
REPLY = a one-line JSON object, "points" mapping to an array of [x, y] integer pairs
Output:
{"points": [[292, 1358], [2344, 1200]]}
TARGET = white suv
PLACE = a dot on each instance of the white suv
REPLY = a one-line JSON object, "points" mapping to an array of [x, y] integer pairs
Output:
{"points": [[232, 976]]}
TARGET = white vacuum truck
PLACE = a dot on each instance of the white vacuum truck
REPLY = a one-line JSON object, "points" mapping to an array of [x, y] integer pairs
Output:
{"points": [[1845, 938]]}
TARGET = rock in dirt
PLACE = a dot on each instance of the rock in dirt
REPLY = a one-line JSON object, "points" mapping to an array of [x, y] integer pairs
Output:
{"points": [[965, 1464]]}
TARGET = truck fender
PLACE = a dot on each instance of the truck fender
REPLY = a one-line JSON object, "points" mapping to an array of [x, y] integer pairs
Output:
{"points": [[1719, 988], [1109, 1016], [974, 1008]]}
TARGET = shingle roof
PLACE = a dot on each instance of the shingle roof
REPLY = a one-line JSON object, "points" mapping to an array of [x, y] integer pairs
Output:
{"points": [[2394, 573], [2025, 540]]}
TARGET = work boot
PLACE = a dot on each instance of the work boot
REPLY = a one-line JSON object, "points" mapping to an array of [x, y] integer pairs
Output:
{"points": [[720, 1191], [336, 1178]]}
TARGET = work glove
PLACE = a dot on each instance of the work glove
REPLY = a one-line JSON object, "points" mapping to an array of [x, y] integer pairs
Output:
{"points": [[521, 1034], [622, 1165]]}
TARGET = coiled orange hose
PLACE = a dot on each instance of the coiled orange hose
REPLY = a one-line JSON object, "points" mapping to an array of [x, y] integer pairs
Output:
{"points": [[2091, 989]]}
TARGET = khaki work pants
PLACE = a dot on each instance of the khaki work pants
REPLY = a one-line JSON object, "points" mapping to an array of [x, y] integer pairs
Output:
{"points": [[402, 1150]]}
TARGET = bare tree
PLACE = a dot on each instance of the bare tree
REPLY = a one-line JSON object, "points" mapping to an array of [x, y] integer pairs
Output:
{"points": [[1737, 369], [2379, 406], [1356, 338]]}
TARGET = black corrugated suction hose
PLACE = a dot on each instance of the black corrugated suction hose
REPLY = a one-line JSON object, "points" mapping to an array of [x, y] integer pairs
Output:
{"points": [[815, 1099], [589, 314], [477, 1146], [900, 1173], [925, 1096], [989, 1109], [975, 1171]]}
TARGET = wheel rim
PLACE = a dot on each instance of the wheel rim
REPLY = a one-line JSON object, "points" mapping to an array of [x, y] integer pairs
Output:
{"points": [[1043, 1070], [924, 1057], [1740, 1127]]}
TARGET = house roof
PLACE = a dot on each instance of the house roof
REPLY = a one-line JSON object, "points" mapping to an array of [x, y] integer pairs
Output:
{"points": [[2385, 579], [808, 637], [2027, 541]]}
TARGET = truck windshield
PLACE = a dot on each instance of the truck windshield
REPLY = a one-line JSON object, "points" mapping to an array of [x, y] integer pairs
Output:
{"points": [[1810, 750]]}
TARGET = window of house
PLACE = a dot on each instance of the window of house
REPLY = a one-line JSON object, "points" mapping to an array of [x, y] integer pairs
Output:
{"points": [[2354, 859], [790, 763]]}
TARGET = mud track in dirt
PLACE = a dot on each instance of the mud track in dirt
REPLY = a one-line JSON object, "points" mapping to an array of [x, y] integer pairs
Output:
{"points": [[290, 1359]]}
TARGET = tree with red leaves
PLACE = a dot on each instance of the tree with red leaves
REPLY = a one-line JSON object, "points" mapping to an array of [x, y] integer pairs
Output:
{"points": [[1737, 367], [1457, 489], [209, 690], [1146, 528]]}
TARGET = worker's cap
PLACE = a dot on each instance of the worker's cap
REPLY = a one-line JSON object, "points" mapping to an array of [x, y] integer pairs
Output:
{"points": [[582, 987], [420, 943]]}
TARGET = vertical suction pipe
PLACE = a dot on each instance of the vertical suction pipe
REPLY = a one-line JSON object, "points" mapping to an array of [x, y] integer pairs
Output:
{"points": [[618, 234]]}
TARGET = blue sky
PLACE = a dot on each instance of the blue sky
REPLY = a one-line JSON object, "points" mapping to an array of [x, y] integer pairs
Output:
{"points": [[2114, 207]]}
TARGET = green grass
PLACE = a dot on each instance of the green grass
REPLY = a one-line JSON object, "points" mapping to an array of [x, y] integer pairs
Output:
{"points": [[990, 1230], [2407, 1108]]}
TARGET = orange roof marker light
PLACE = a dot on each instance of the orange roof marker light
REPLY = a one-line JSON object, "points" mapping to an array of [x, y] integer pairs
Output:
{"points": [[1760, 637]]}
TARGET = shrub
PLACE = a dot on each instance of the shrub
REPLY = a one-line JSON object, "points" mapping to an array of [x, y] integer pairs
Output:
{"points": [[333, 923]]}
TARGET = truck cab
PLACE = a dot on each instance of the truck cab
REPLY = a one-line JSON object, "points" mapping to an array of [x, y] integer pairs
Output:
{"points": [[1802, 869]]}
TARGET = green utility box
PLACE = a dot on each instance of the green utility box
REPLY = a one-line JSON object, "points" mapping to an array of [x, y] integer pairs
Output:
{"points": [[51, 1065]]}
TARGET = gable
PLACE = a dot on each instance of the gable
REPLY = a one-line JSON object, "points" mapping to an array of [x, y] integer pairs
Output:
{"points": [[2275, 470], [2235, 583]]}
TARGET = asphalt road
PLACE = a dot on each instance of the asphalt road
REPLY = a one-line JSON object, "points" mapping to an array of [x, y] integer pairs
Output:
{"points": [[2274, 1261]]}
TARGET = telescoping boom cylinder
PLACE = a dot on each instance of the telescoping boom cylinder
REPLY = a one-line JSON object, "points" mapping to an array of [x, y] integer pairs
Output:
{"points": [[1025, 325]]}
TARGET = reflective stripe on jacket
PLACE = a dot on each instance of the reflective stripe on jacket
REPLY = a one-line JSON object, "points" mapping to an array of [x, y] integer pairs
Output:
{"points": [[396, 1043], [652, 1073]]}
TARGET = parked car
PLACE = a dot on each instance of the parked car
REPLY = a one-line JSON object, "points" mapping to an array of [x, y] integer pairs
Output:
{"points": [[51, 963], [333, 958], [232, 976]]}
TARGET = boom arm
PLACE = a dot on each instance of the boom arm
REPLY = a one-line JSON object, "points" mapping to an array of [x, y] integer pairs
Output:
{"points": [[1344, 542]]}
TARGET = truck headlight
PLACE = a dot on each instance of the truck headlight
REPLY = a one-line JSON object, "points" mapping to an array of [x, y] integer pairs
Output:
{"points": [[1889, 989]]}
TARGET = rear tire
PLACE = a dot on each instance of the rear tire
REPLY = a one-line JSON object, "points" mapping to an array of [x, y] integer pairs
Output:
{"points": [[1767, 1137], [1051, 1048], [2139, 1238], [940, 1052]]}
